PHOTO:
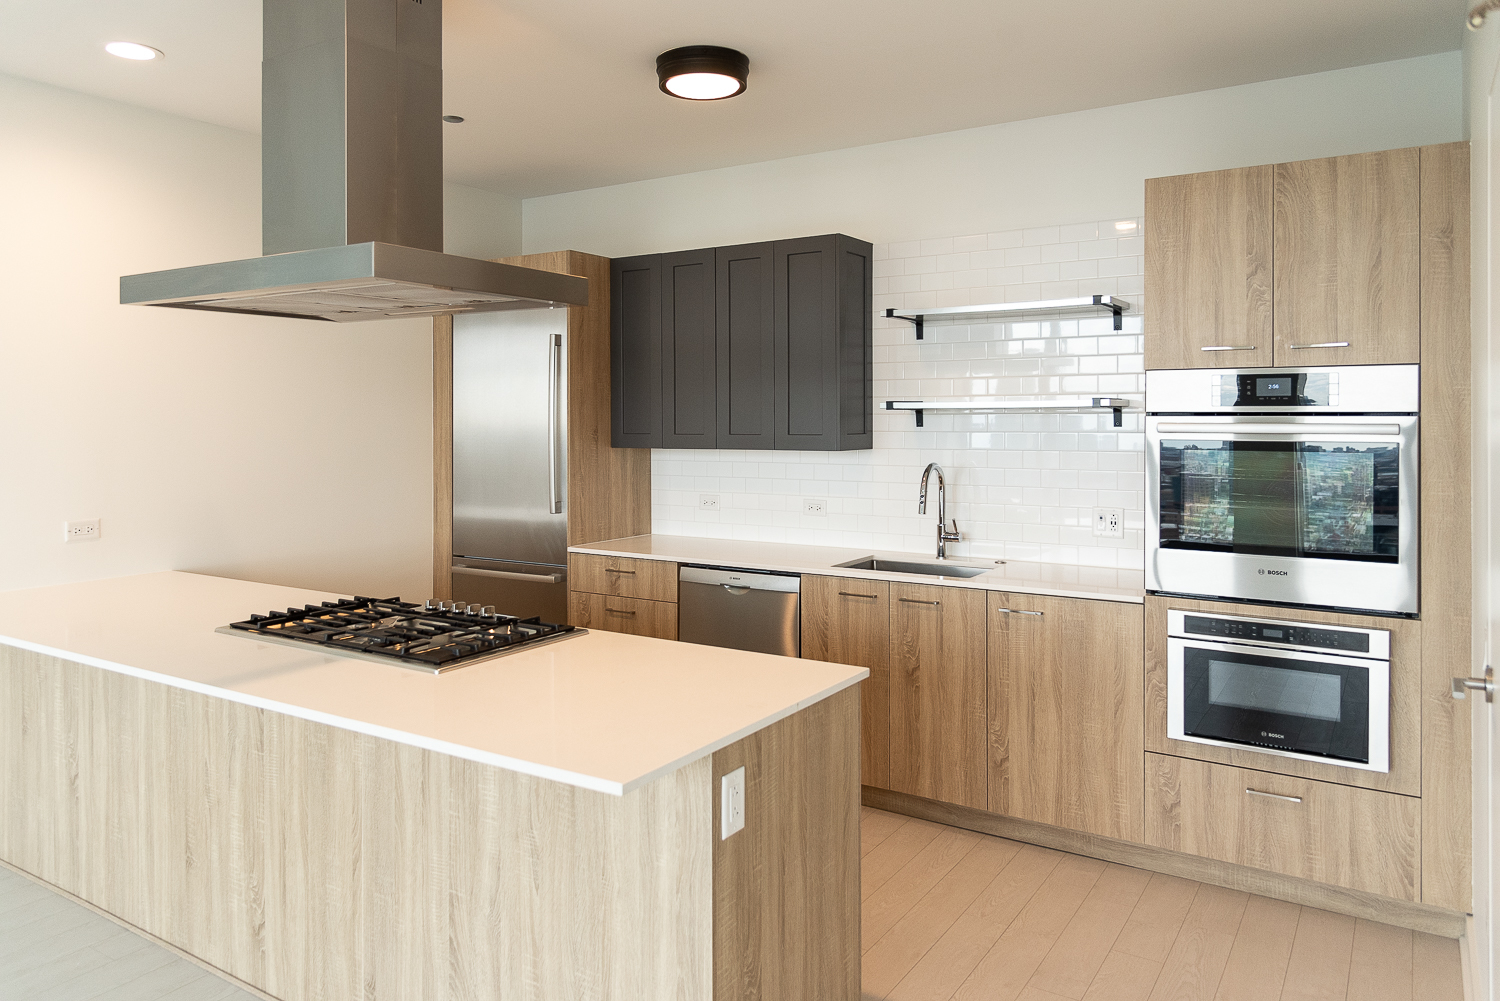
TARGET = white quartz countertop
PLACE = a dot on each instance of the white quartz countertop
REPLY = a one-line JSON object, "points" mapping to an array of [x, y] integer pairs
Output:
{"points": [[1058, 579], [603, 711]]}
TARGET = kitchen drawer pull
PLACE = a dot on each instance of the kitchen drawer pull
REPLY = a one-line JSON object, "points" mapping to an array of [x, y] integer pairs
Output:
{"points": [[1019, 611], [1229, 347], [618, 611], [628, 573], [918, 601], [1272, 795], [1324, 344], [856, 594]]}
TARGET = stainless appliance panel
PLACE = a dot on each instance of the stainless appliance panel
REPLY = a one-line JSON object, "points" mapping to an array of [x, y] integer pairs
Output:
{"points": [[521, 589], [510, 437], [1377, 666], [740, 609], [1305, 579], [1371, 389]]}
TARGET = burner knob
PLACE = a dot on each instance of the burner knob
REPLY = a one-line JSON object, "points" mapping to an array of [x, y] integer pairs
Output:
{"points": [[476, 609], [445, 606], [431, 605], [488, 612]]}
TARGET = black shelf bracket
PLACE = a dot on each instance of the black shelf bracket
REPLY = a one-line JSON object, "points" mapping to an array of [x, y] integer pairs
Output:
{"points": [[917, 320]]}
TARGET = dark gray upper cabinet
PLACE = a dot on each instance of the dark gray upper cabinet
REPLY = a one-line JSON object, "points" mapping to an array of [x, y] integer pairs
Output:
{"points": [[745, 279], [689, 415], [766, 345], [635, 352]]}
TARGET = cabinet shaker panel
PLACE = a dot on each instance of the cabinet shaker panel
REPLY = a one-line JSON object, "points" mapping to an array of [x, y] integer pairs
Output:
{"points": [[689, 414], [746, 302], [635, 352]]}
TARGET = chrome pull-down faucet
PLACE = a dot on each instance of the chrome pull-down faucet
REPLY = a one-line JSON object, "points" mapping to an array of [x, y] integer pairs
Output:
{"points": [[943, 535]]}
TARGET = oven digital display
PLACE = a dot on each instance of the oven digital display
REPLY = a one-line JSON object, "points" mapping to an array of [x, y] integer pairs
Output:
{"points": [[1276, 690], [1276, 386]]}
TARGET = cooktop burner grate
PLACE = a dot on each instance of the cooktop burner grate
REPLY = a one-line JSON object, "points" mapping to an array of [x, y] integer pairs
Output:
{"points": [[435, 637]]}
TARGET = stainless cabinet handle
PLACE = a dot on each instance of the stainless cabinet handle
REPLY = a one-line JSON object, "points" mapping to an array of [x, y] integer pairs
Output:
{"points": [[1019, 611], [1272, 795], [628, 573], [1486, 684], [915, 601], [1229, 347], [618, 611], [545, 578], [1324, 344], [554, 392], [852, 594]]}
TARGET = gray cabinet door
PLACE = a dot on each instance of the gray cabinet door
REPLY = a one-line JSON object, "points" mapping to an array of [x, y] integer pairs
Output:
{"points": [[635, 352], [746, 328], [689, 416]]}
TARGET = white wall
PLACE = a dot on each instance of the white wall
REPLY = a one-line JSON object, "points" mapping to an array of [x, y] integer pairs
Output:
{"points": [[276, 450], [1067, 168]]}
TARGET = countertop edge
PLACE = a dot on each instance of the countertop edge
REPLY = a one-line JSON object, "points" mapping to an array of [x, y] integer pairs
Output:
{"points": [[563, 776], [972, 583]]}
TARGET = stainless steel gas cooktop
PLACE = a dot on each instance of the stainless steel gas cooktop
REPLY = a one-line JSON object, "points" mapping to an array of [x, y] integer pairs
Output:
{"points": [[434, 637]]}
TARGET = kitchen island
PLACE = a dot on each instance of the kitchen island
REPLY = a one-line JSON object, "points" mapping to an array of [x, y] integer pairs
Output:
{"points": [[539, 825]]}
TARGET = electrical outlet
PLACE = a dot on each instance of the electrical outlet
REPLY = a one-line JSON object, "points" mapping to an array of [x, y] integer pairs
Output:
{"points": [[815, 506], [732, 803], [708, 502], [81, 531], [1109, 523]]}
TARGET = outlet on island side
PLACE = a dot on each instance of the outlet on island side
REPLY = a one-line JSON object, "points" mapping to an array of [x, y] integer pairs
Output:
{"points": [[815, 506], [81, 531], [1109, 523], [732, 803]]}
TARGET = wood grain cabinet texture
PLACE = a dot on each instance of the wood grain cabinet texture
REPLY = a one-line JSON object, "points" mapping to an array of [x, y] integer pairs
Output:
{"points": [[636, 616], [938, 693], [758, 346], [1065, 735], [623, 595], [1348, 252], [1358, 838], [1208, 269], [848, 621]]}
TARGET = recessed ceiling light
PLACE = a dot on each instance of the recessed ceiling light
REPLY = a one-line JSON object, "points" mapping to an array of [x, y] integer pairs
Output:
{"points": [[134, 50], [702, 72], [1125, 225], [453, 119]]}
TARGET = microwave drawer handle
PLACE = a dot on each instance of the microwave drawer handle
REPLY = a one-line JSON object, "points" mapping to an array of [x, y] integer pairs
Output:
{"points": [[1272, 795], [1229, 347], [1019, 611], [1324, 344], [1245, 427]]}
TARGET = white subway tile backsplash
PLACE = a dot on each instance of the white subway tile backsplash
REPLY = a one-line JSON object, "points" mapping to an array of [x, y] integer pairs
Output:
{"points": [[1022, 486]]}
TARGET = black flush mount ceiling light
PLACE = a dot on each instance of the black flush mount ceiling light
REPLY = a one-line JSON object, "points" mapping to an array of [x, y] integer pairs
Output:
{"points": [[702, 72]]}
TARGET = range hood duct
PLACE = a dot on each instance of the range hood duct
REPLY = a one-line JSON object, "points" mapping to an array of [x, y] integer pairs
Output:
{"points": [[352, 181]]}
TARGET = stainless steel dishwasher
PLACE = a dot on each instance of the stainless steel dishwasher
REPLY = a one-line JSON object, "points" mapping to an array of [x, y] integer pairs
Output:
{"points": [[742, 609]]}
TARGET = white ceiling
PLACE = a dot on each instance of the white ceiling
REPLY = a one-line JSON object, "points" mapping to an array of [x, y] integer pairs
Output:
{"points": [[561, 95]]}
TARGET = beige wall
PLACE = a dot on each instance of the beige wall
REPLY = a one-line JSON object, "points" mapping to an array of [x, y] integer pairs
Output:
{"points": [[1068, 168], [278, 450]]}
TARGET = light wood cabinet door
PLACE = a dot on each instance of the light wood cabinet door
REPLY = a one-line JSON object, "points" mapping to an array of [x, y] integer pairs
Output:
{"points": [[848, 621], [1359, 838], [654, 580], [1347, 283], [636, 616], [1208, 269], [938, 693], [1065, 712]]}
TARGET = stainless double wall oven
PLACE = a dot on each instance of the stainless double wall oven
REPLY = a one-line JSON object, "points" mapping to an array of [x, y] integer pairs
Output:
{"points": [[1292, 486]]}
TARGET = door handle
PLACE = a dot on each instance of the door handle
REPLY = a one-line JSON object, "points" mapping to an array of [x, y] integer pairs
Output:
{"points": [[735, 590], [1019, 611], [625, 573], [915, 601], [1229, 347], [1324, 344], [1237, 428], [618, 611], [1463, 686], [554, 392], [1272, 795], [543, 578], [854, 594]]}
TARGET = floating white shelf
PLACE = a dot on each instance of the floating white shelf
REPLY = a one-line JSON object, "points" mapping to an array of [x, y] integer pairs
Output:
{"points": [[980, 406], [1108, 303]]}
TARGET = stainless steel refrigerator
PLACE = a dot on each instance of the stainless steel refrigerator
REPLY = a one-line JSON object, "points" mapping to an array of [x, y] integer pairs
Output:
{"points": [[510, 461]]}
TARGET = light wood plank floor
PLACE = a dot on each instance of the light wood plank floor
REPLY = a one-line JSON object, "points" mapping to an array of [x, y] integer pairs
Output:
{"points": [[52, 949], [950, 913]]}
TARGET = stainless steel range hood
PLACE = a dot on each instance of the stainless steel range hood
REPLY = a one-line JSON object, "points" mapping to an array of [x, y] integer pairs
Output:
{"points": [[352, 181]]}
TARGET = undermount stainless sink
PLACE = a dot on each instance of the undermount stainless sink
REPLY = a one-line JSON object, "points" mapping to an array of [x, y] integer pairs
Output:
{"points": [[930, 569]]}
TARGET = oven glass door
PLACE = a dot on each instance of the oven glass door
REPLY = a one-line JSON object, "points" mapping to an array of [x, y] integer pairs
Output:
{"points": [[1319, 707], [1323, 499]]}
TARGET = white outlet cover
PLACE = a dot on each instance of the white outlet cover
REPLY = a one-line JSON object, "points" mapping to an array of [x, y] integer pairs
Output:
{"points": [[708, 502], [732, 803], [81, 531], [1109, 523], [815, 506]]}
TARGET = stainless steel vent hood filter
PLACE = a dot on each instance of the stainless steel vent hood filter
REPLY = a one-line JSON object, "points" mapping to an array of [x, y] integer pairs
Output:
{"points": [[352, 181]]}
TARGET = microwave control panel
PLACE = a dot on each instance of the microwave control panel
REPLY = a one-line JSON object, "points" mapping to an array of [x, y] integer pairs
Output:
{"points": [[1270, 389], [1277, 632]]}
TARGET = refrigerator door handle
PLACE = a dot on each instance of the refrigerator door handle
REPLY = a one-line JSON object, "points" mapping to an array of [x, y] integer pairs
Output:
{"points": [[554, 390], [544, 578]]}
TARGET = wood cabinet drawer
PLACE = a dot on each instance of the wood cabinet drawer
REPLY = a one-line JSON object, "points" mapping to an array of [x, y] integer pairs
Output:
{"points": [[654, 580], [635, 616], [1358, 838]]}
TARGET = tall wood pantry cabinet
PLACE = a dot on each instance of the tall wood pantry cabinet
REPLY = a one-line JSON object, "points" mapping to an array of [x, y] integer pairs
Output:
{"points": [[764, 346]]}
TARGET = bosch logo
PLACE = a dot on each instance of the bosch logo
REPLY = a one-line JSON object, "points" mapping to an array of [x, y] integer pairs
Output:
{"points": [[1273, 573], [1277, 736]]}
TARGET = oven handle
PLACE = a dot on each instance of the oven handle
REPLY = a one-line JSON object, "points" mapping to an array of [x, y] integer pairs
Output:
{"points": [[1238, 429]]}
